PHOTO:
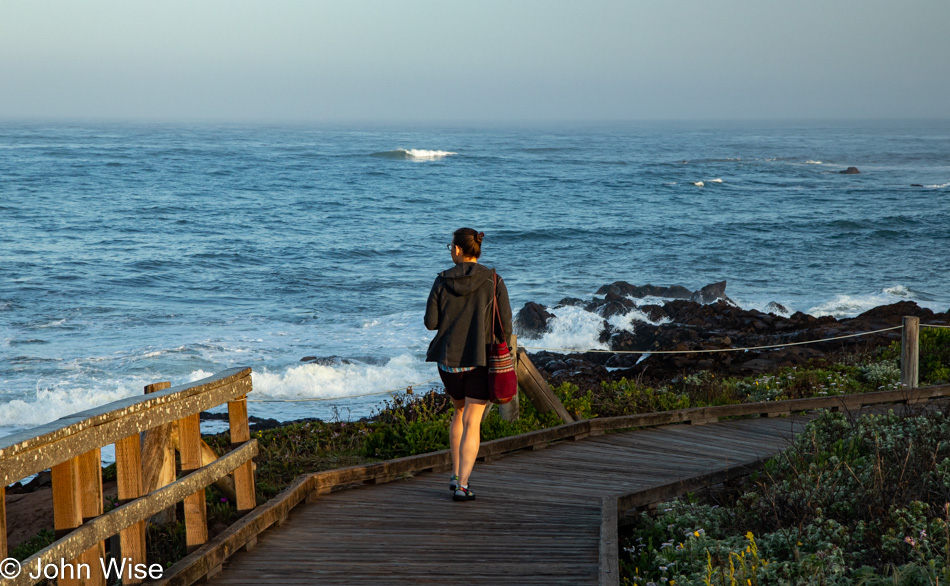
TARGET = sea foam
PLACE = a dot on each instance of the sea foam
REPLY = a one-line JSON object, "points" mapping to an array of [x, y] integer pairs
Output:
{"points": [[415, 154], [843, 305], [347, 379]]}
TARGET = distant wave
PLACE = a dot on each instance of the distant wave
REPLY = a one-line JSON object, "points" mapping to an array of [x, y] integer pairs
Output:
{"points": [[715, 180], [850, 305], [416, 154], [813, 162], [938, 186]]}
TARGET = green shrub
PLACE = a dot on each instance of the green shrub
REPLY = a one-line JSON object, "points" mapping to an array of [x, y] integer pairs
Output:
{"points": [[862, 501], [933, 355]]}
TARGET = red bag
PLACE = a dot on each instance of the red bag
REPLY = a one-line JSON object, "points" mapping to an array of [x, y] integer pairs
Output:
{"points": [[502, 379]]}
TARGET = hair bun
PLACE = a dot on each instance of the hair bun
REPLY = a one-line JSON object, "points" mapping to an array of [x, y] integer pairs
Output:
{"points": [[479, 237]]}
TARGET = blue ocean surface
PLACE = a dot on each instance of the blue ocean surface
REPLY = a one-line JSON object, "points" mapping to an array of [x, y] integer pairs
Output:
{"points": [[136, 253]]}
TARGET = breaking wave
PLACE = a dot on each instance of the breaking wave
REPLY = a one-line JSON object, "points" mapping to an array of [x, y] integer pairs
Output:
{"points": [[414, 154], [842, 306]]}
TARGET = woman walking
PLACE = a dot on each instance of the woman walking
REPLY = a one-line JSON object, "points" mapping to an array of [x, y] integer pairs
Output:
{"points": [[461, 308]]}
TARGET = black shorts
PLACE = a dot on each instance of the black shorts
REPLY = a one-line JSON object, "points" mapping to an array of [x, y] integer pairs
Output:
{"points": [[473, 383]]}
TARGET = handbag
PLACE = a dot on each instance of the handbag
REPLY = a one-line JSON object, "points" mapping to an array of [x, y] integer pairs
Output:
{"points": [[502, 379]]}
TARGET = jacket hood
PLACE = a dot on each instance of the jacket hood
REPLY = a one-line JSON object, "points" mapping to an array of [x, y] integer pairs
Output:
{"points": [[466, 277]]}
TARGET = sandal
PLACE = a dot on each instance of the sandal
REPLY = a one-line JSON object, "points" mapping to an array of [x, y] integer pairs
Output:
{"points": [[463, 493]]}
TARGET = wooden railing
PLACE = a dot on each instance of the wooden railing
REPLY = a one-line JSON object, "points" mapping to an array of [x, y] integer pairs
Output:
{"points": [[70, 448]]}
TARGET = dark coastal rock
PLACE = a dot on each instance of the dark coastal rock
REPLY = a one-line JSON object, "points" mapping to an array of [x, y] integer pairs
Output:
{"points": [[571, 302], [710, 293], [532, 320], [326, 360], [916, 185], [205, 416], [781, 358], [708, 320], [611, 305], [885, 316], [639, 292], [654, 313], [42, 480], [850, 171], [264, 424], [775, 307]]}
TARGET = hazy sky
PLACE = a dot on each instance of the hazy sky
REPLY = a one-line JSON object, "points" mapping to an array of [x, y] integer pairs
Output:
{"points": [[474, 61]]}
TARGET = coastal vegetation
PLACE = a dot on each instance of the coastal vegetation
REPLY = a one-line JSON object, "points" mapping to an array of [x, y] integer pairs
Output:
{"points": [[692, 539], [852, 501]]}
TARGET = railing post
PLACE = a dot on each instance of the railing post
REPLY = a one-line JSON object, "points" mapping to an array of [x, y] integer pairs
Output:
{"points": [[244, 475], [158, 459], [128, 468], [196, 515], [910, 336], [511, 410], [3, 522], [90, 478], [67, 507]]}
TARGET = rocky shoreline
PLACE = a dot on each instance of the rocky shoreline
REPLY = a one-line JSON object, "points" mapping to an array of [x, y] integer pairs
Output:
{"points": [[703, 320]]}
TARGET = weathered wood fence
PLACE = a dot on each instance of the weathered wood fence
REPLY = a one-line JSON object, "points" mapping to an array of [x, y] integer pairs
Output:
{"points": [[147, 483]]}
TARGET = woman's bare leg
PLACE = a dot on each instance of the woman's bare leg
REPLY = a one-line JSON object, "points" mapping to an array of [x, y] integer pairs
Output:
{"points": [[455, 432], [471, 437]]}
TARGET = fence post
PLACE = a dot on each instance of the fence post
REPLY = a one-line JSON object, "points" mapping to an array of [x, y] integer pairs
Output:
{"points": [[67, 508], [196, 514], [90, 478], [510, 411], [128, 472], [910, 336], [3, 522], [243, 475]]}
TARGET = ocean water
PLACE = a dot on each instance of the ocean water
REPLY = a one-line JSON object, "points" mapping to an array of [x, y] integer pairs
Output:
{"points": [[135, 253]]}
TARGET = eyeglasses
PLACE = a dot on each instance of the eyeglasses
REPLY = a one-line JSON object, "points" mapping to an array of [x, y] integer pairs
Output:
{"points": [[450, 247]]}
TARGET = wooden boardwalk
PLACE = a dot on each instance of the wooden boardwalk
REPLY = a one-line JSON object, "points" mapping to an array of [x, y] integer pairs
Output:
{"points": [[536, 520]]}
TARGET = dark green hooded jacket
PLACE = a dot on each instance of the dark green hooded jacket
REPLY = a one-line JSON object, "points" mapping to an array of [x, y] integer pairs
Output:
{"points": [[460, 308]]}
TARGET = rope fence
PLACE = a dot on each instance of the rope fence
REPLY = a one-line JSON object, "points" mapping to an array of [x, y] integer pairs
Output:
{"points": [[575, 351], [934, 326]]}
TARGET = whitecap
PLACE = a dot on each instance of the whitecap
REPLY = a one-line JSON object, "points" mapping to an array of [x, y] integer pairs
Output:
{"points": [[810, 162], [938, 186], [699, 184], [715, 181], [843, 305], [342, 380], [427, 154], [572, 328], [415, 154]]}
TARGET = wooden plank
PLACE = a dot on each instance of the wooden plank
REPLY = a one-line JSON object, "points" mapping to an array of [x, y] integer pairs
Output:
{"points": [[609, 574], [245, 531], [705, 413], [67, 508], [910, 337], [90, 480], [67, 497], [35, 450], [136, 511], [3, 522], [246, 498], [128, 469], [196, 515], [671, 490], [537, 389]]}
